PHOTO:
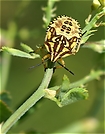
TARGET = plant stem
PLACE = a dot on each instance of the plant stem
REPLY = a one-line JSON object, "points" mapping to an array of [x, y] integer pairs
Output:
{"points": [[29, 103], [91, 24], [9, 38], [93, 75], [49, 12], [5, 66]]}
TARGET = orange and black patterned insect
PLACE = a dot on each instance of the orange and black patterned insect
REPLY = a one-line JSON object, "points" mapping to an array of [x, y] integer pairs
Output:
{"points": [[62, 39]]}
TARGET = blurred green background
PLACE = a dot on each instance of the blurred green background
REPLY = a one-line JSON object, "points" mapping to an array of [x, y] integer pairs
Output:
{"points": [[46, 116]]}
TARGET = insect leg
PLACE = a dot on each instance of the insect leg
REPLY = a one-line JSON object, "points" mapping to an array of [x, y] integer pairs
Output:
{"points": [[47, 56], [62, 64]]}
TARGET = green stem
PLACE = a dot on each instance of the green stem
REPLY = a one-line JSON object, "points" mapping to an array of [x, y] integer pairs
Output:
{"points": [[93, 75], [6, 59], [49, 11], [91, 25], [5, 66], [29, 103]]}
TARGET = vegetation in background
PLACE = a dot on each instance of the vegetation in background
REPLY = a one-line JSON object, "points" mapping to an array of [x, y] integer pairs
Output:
{"points": [[63, 94]]}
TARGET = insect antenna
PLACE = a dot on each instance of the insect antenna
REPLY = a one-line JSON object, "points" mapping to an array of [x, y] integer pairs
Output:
{"points": [[57, 62], [37, 64], [65, 68]]}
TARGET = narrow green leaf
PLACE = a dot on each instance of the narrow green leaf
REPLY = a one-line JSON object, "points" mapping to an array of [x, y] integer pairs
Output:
{"points": [[98, 46], [19, 53], [26, 48]]}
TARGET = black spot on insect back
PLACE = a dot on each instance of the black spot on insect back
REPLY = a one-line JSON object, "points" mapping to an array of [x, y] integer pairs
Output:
{"points": [[63, 31]]}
